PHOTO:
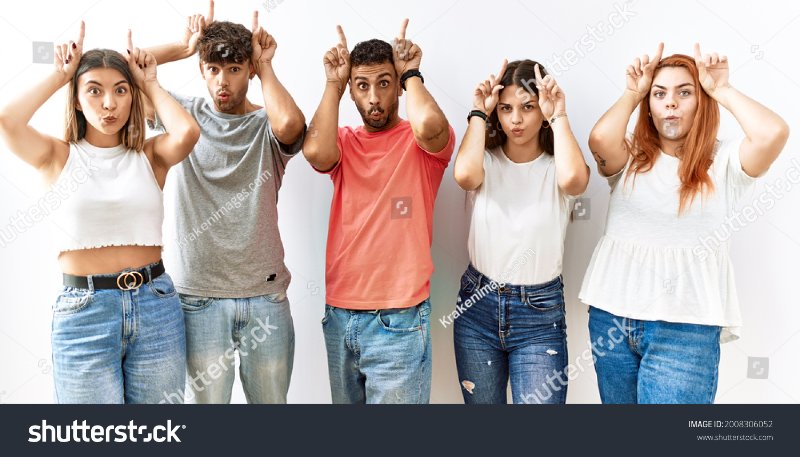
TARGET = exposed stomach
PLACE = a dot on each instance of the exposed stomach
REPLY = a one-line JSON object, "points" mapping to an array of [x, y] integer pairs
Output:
{"points": [[107, 260]]}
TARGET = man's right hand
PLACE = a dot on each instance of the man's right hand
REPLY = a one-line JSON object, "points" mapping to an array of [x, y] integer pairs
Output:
{"points": [[195, 25], [337, 63]]}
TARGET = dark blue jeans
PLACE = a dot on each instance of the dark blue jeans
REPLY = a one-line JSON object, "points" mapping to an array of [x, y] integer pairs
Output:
{"points": [[511, 332]]}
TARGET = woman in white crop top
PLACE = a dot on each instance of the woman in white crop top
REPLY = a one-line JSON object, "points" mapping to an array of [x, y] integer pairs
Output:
{"points": [[118, 332], [522, 168], [660, 283]]}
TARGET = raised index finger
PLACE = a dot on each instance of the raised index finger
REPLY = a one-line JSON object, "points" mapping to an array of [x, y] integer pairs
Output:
{"points": [[659, 51], [342, 38], [210, 16], [502, 69], [538, 73], [403, 28], [81, 34], [130, 40], [697, 55], [255, 21]]}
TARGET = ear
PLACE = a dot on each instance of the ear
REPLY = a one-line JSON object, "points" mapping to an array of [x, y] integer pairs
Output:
{"points": [[78, 104], [252, 70], [200, 66], [350, 86]]}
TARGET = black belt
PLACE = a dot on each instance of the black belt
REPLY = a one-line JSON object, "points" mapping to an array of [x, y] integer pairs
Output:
{"points": [[127, 280]]}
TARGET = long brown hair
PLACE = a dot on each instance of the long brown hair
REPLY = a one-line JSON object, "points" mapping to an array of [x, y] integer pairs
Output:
{"points": [[522, 74], [132, 133], [697, 152]]}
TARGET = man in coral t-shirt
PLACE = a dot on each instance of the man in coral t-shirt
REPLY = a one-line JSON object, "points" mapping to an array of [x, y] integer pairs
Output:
{"points": [[385, 175]]}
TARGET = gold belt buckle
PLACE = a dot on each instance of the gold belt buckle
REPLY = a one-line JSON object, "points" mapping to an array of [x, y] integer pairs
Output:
{"points": [[130, 280]]}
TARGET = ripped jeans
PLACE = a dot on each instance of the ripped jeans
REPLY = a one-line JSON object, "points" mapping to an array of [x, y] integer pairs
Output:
{"points": [[510, 332]]}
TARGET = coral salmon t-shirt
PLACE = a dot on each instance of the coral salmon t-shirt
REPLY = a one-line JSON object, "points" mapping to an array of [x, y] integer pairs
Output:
{"points": [[381, 223]]}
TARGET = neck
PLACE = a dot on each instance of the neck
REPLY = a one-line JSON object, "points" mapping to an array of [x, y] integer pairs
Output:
{"points": [[101, 140], [521, 153], [671, 147]]}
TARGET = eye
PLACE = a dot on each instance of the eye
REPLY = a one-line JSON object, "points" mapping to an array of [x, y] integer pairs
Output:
{"points": [[362, 86], [530, 107], [659, 93], [384, 83], [93, 91], [505, 108], [686, 93], [235, 69], [122, 90]]}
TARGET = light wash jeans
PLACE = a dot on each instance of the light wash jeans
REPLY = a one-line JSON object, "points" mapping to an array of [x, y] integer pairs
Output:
{"points": [[381, 356], [114, 346], [259, 328]]}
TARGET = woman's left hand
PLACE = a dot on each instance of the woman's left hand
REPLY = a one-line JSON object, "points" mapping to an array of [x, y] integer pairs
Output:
{"points": [[141, 63], [551, 98], [712, 69]]}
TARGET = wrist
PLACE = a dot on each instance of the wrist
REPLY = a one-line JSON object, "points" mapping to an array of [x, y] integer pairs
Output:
{"points": [[408, 75], [336, 86], [720, 94]]}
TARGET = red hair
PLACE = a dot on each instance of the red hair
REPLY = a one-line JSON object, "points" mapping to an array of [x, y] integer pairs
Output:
{"points": [[697, 151]]}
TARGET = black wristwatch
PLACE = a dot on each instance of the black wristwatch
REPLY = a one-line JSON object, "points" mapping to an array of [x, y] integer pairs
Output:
{"points": [[477, 112], [410, 74]]}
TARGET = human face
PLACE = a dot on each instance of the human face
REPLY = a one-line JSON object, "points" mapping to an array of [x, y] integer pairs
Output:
{"points": [[105, 99], [227, 84], [376, 92], [673, 102], [519, 115]]}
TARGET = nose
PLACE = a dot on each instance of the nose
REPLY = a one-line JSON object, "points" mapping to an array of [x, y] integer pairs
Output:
{"points": [[670, 101], [222, 80], [516, 117], [109, 103], [373, 96]]}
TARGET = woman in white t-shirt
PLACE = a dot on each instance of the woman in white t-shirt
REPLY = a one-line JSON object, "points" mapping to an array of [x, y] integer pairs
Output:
{"points": [[660, 284], [522, 168]]}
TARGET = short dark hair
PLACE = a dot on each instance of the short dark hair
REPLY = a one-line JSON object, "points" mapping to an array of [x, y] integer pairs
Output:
{"points": [[225, 42], [371, 52]]}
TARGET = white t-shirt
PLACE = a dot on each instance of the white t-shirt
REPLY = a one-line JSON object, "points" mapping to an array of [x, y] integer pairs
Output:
{"points": [[652, 264], [518, 220]]}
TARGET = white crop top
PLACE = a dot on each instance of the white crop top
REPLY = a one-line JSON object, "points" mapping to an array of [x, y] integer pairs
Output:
{"points": [[107, 197]]}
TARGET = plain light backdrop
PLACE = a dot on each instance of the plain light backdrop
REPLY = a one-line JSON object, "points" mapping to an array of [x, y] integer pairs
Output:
{"points": [[587, 45]]}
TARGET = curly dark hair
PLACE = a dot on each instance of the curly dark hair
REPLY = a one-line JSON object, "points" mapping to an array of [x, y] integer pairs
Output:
{"points": [[371, 52], [225, 43]]}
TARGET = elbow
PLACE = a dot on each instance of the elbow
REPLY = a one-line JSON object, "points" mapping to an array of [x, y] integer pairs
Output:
{"points": [[466, 179], [289, 129], [576, 183]]}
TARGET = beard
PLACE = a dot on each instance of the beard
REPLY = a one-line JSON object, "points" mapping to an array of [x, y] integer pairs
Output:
{"points": [[366, 115], [234, 99]]}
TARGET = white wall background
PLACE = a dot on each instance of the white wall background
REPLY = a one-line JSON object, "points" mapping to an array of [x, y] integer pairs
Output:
{"points": [[463, 41]]}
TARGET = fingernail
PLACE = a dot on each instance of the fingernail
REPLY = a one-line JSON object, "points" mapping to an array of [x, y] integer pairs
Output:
{"points": [[129, 51]]}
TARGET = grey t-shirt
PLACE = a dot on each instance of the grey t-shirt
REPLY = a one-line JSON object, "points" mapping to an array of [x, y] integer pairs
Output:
{"points": [[226, 199]]}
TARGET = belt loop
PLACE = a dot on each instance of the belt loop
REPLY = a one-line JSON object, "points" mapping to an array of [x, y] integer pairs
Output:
{"points": [[522, 293], [90, 283], [149, 271]]}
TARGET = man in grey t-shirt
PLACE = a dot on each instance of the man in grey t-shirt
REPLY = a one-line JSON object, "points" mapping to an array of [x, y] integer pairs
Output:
{"points": [[230, 272]]}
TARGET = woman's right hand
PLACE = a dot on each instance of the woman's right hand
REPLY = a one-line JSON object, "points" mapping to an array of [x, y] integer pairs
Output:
{"points": [[639, 74], [487, 94], [68, 56]]}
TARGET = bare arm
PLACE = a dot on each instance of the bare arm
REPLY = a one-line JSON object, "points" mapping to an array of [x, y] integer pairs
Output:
{"points": [[24, 141], [428, 122], [285, 116], [765, 132], [607, 140], [319, 147], [468, 170]]}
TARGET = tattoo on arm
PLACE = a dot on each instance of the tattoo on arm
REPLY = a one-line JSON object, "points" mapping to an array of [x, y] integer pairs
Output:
{"points": [[601, 161]]}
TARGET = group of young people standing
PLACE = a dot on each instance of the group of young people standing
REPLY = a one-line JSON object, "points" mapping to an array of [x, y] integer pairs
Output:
{"points": [[126, 331]]}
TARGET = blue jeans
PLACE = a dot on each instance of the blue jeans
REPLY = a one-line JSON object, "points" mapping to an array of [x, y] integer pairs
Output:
{"points": [[653, 361], [381, 356], [114, 346], [260, 329], [510, 332]]}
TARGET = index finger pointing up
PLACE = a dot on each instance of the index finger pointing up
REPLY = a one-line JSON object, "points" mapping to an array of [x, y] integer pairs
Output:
{"points": [[538, 73], [130, 40], [342, 38], [502, 69], [81, 34], [255, 21], [210, 17], [403, 28]]}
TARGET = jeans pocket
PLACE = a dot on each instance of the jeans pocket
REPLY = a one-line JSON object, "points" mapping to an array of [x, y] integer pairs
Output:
{"points": [[467, 285], [401, 320], [162, 286], [546, 299], [276, 298], [71, 300], [193, 304], [326, 314]]}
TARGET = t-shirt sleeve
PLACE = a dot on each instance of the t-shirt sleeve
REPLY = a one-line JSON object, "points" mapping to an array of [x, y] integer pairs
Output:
{"points": [[738, 181], [443, 157], [282, 153], [188, 103]]}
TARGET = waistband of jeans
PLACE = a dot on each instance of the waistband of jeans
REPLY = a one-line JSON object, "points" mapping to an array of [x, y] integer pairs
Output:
{"points": [[481, 280]]}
